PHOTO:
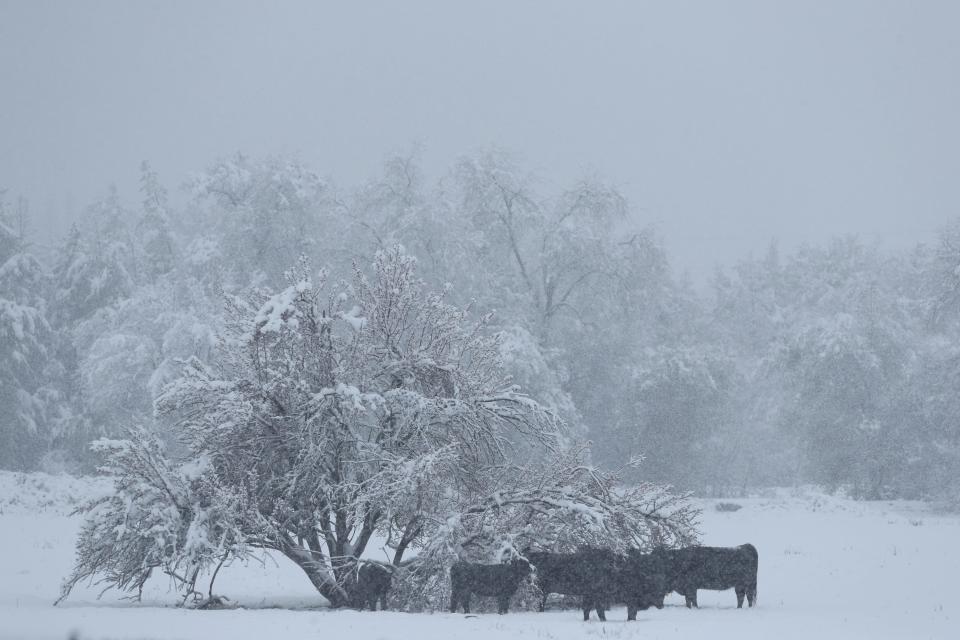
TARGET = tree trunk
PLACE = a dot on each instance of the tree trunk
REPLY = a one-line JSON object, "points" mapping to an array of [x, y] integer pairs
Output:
{"points": [[410, 532], [318, 573]]}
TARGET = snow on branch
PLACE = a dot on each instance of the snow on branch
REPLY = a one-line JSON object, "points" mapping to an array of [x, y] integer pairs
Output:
{"points": [[160, 517], [312, 431]]}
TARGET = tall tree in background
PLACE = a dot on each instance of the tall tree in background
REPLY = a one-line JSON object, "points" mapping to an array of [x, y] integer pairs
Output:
{"points": [[262, 213], [545, 252], [95, 266], [552, 266], [832, 343], [157, 248], [33, 405], [677, 399], [569, 269]]}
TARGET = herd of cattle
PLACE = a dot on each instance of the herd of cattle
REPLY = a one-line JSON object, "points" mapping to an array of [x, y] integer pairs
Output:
{"points": [[599, 576]]}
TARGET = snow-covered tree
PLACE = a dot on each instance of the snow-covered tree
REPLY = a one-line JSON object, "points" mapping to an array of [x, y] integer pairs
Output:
{"points": [[337, 410], [128, 350], [32, 402], [925, 408], [11, 240], [261, 212], [29, 404], [95, 266], [157, 249], [174, 518], [395, 208], [676, 400], [547, 257], [824, 337]]}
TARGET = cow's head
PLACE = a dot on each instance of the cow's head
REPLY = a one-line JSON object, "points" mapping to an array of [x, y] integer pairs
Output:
{"points": [[520, 567]]}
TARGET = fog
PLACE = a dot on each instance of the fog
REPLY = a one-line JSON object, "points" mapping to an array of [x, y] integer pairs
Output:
{"points": [[725, 124], [398, 304]]}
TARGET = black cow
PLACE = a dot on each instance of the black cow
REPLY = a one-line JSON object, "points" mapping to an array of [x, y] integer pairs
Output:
{"points": [[642, 580], [589, 573], [497, 580], [716, 568], [369, 582]]}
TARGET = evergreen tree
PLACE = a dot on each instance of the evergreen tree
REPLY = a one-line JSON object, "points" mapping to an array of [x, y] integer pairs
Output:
{"points": [[33, 405]]}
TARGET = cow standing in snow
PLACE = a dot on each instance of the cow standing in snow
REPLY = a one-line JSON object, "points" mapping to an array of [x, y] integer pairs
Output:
{"points": [[496, 580], [589, 573], [370, 582], [716, 568], [642, 580]]}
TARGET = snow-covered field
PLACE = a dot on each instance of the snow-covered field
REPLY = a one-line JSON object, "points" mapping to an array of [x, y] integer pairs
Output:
{"points": [[829, 568]]}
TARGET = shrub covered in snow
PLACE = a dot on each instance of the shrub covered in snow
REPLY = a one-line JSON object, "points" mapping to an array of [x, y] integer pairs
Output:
{"points": [[164, 516]]}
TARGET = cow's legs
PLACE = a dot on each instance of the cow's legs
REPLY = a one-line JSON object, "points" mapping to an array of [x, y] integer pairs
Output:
{"points": [[383, 602], [631, 611], [588, 604], [691, 598], [372, 602], [453, 602], [466, 602], [502, 604], [741, 591], [752, 593]]}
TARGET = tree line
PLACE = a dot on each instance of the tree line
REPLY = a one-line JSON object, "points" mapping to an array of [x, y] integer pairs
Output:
{"points": [[834, 364]]}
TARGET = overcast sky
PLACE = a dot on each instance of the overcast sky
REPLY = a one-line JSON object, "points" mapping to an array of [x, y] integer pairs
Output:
{"points": [[726, 123]]}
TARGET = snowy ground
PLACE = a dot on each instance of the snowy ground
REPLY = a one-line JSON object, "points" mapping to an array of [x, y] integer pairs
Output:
{"points": [[829, 568]]}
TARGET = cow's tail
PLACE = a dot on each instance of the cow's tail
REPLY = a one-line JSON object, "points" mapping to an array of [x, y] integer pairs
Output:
{"points": [[751, 552]]}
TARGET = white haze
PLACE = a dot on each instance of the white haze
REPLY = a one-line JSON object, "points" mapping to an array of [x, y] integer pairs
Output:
{"points": [[726, 124], [343, 297]]}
